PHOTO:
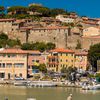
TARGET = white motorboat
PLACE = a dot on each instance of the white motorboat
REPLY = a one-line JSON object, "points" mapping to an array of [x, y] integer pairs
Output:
{"points": [[92, 87], [20, 83], [42, 84]]}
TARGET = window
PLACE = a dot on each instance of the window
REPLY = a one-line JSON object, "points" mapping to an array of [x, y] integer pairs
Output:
{"points": [[20, 74], [49, 65], [61, 54], [22, 55], [2, 75], [71, 54], [29, 67], [9, 64], [2, 65], [66, 54], [61, 60], [20, 65], [4, 55], [13, 55], [55, 54], [1, 55], [49, 60], [8, 55], [86, 29], [63, 65], [66, 60], [53, 60], [37, 61], [33, 60]]}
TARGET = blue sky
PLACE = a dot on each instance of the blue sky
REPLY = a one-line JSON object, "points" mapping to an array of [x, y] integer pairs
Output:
{"points": [[89, 8]]}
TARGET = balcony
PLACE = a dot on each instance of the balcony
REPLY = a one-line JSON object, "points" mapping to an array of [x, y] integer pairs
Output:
{"points": [[52, 57], [53, 63]]}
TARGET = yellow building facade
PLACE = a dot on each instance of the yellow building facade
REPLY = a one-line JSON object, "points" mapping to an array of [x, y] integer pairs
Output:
{"points": [[60, 58]]}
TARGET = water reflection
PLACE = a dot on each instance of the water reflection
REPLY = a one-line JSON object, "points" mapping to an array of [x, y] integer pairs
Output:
{"points": [[57, 93], [90, 91]]}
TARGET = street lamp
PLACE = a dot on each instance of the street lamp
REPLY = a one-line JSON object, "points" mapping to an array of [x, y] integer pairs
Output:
{"points": [[13, 71]]}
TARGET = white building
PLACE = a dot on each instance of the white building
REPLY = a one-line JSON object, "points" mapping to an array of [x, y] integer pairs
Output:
{"points": [[91, 31], [64, 19]]}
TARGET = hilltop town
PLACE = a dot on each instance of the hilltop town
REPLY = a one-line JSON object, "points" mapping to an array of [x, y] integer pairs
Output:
{"points": [[35, 23], [71, 34]]}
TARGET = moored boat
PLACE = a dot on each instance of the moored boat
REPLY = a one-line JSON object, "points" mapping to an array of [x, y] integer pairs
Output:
{"points": [[20, 83], [92, 87], [43, 84]]}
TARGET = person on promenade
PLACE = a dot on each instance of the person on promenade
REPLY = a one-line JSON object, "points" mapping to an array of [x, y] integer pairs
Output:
{"points": [[69, 97]]}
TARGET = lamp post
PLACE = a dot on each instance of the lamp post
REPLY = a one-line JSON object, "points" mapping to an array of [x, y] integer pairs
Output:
{"points": [[13, 71]]}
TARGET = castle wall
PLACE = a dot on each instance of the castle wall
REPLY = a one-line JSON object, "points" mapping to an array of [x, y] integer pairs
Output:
{"points": [[56, 36], [88, 41]]}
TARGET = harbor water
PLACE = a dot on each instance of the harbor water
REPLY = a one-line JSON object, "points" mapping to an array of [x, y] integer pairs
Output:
{"points": [[47, 93]]}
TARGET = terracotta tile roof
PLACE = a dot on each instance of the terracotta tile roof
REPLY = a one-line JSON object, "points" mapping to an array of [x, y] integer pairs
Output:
{"points": [[93, 19], [81, 53], [49, 19], [90, 22], [4, 20], [19, 21], [62, 50], [72, 16], [96, 37], [33, 52], [56, 27], [26, 28], [18, 51], [44, 28], [98, 19], [85, 18]]}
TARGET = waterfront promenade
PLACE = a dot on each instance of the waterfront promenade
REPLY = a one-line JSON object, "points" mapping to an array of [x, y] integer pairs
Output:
{"points": [[39, 83]]}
